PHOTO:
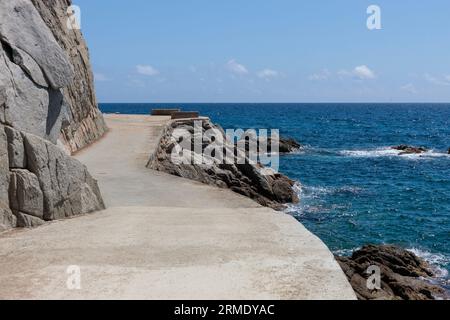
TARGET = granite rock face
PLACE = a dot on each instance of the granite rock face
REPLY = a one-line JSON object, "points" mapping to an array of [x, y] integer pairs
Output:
{"points": [[50, 186], [47, 110], [85, 122], [7, 219], [403, 274], [241, 176], [46, 82]]}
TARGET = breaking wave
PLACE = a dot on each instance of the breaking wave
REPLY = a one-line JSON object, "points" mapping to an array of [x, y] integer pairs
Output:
{"points": [[389, 152]]}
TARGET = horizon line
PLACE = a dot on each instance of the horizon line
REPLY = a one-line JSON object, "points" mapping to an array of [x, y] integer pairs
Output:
{"points": [[382, 102]]}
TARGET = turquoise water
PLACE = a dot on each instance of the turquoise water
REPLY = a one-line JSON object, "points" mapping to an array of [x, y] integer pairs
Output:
{"points": [[354, 189]]}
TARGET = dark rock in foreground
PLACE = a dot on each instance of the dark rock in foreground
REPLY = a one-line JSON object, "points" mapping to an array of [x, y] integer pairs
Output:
{"points": [[249, 179], [403, 274], [448, 150], [288, 145], [405, 149]]}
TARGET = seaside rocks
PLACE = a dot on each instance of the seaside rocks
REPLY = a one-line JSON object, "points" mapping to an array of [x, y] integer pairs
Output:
{"points": [[285, 145], [250, 179], [288, 145], [448, 151], [403, 274], [405, 149]]}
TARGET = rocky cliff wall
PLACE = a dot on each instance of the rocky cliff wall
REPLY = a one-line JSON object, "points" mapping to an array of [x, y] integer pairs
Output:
{"points": [[46, 82], [46, 99], [86, 123]]}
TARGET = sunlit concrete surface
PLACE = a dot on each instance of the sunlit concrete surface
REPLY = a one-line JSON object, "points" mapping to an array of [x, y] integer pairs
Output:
{"points": [[164, 237]]}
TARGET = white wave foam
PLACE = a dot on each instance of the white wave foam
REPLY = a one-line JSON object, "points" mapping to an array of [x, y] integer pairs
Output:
{"points": [[311, 198], [346, 252], [389, 152], [437, 261]]}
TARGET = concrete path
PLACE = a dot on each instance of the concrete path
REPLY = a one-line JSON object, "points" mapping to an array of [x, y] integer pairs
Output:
{"points": [[164, 237]]}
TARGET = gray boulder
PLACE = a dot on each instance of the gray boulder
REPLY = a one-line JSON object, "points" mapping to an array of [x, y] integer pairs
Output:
{"points": [[27, 221], [67, 186], [25, 194]]}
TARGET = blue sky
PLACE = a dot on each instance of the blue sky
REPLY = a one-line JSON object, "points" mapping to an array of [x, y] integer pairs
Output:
{"points": [[268, 51]]}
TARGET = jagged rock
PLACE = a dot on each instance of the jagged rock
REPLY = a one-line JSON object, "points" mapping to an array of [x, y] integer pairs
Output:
{"points": [[46, 82], [402, 274], [46, 98], [4, 167], [28, 107], [22, 27], [85, 123], [67, 186], [27, 221], [409, 149], [30, 66], [284, 145], [288, 145], [7, 220], [448, 151], [16, 150], [240, 174], [25, 194]]}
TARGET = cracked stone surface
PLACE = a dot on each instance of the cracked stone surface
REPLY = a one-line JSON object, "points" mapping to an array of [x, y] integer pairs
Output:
{"points": [[48, 110]]}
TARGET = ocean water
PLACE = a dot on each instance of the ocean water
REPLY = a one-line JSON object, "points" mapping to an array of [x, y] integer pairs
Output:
{"points": [[354, 189]]}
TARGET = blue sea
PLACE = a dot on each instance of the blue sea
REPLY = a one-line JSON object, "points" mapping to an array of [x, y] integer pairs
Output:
{"points": [[354, 189]]}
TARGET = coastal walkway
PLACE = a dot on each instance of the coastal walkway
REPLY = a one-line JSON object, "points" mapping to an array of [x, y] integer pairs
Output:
{"points": [[164, 237]]}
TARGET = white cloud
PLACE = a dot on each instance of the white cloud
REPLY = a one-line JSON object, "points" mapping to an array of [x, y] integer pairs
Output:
{"points": [[236, 68], [409, 88], [147, 70], [268, 74], [362, 72], [325, 74], [444, 81], [101, 77]]}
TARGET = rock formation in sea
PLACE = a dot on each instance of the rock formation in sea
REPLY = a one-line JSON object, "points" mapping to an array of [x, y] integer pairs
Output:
{"points": [[285, 145], [47, 111], [403, 274], [405, 149], [243, 177]]}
